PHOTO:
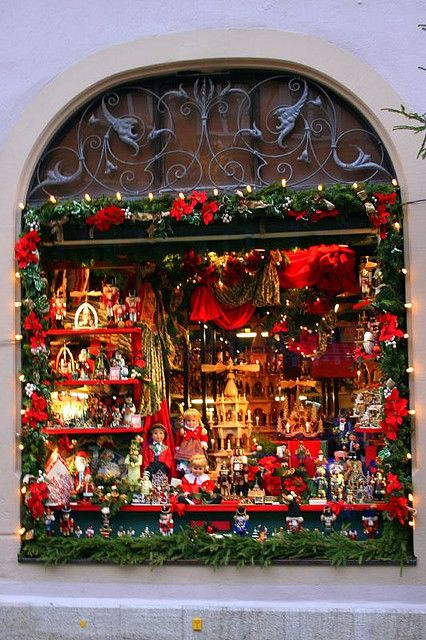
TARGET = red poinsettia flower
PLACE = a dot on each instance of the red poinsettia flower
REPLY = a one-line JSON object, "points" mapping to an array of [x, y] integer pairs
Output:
{"points": [[233, 272], [389, 327], [208, 210], [319, 214], [298, 215], [252, 473], [296, 484], [279, 327], [37, 493], [397, 507], [105, 218], [198, 197], [386, 198], [359, 353], [392, 483], [191, 263], [270, 463], [26, 249], [395, 409], [307, 344], [271, 484]]}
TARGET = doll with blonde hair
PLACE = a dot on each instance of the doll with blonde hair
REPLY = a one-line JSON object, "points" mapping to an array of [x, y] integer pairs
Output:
{"points": [[197, 479], [191, 439]]}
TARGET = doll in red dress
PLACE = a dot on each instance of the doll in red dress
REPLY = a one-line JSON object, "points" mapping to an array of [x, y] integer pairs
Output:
{"points": [[191, 439], [197, 478], [159, 456]]}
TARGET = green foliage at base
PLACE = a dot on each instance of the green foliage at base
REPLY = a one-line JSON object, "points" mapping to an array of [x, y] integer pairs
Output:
{"points": [[198, 546]]}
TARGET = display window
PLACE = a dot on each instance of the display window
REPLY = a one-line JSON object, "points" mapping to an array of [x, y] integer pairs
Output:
{"points": [[218, 374]]}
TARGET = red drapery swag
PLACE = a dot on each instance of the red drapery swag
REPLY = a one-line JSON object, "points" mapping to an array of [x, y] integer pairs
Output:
{"points": [[331, 268]]}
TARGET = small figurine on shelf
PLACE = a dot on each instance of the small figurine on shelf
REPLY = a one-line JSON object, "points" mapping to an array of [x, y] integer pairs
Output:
{"points": [[58, 309], [379, 490], [191, 439], [353, 534], [223, 480], [66, 523], [109, 300], [133, 462], [80, 462], [83, 365], [49, 522], [145, 485], [321, 482], [90, 532], [119, 361], [106, 529], [370, 524], [337, 484], [116, 418], [119, 312], [166, 521], [101, 365], [294, 524], [128, 411], [262, 533], [328, 518], [159, 455], [302, 453], [197, 479], [88, 485], [78, 532], [352, 447], [132, 304], [121, 532], [240, 526]]}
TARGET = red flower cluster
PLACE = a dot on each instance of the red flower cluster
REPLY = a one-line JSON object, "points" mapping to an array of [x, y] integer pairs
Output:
{"points": [[393, 483], [389, 327], [319, 214], [307, 344], [380, 217], [359, 353], [271, 484], [196, 201], [105, 218], [279, 327], [26, 249], [296, 484], [233, 271], [395, 409], [298, 215], [36, 494], [397, 508], [36, 413], [35, 330]]}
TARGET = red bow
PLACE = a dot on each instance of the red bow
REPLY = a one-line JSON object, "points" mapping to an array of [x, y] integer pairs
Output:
{"points": [[179, 507]]}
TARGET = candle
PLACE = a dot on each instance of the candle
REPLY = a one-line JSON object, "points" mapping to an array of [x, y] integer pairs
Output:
{"points": [[307, 425], [257, 421], [287, 427], [248, 415]]}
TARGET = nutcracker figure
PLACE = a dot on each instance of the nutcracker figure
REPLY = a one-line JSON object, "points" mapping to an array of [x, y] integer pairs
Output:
{"points": [[240, 526], [370, 524], [328, 519], [166, 521], [109, 300], [66, 523]]}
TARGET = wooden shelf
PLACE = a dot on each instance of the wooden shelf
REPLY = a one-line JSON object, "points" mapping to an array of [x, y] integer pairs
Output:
{"points": [[93, 383], [227, 506], [95, 331], [60, 431]]}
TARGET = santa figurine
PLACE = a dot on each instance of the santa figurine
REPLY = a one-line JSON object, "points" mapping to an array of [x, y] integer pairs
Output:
{"points": [[80, 462], [197, 479], [66, 524], [166, 521], [191, 439], [88, 485]]}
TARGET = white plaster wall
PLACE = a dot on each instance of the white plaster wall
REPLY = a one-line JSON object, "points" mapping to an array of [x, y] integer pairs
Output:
{"points": [[54, 56], [42, 38]]}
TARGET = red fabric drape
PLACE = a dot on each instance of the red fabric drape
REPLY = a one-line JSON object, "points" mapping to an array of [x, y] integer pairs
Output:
{"points": [[205, 308], [329, 267], [163, 417]]}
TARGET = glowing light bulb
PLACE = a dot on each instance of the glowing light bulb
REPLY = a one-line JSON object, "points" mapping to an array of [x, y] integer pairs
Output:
{"points": [[410, 497], [404, 271], [412, 412], [18, 336], [249, 189], [18, 304], [150, 196], [320, 187], [21, 446], [409, 456], [355, 185], [118, 196], [21, 378], [87, 197], [395, 182], [21, 531], [284, 183], [409, 369], [396, 226], [23, 489], [181, 196], [21, 205], [52, 199], [215, 192], [408, 305], [17, 274]]}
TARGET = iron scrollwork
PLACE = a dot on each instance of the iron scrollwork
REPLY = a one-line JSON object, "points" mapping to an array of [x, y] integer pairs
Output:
{"points": [[209, 132]]}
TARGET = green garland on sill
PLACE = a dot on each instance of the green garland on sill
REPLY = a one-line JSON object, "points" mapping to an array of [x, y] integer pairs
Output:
{"points": [[196, 545]]}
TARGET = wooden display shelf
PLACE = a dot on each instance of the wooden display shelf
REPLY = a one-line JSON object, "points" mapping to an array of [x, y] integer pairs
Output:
{"points": [[92, 383], [94, 331], [227, 506], [60, 431]]}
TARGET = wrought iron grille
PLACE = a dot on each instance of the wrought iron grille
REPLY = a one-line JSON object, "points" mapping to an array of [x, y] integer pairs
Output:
{"points": [[196, 131]]}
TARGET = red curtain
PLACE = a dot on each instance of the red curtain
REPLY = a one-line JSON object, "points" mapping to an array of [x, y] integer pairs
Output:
{"points": [[205, 308], [329, 267]]}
